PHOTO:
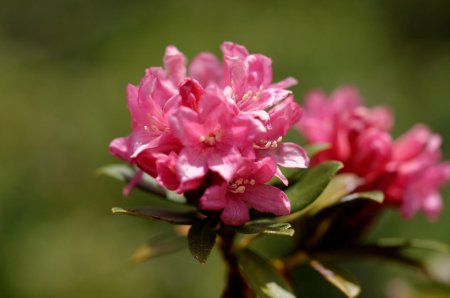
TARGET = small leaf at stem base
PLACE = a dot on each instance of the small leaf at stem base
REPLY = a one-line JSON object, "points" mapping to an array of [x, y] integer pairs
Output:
{"points": [[202, 237]]}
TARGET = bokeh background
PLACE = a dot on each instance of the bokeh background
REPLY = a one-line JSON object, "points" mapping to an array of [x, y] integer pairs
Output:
{"points": [[64, 65]]}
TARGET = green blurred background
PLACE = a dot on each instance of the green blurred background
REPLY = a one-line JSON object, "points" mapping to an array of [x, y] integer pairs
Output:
{"points": [[64, 65]]}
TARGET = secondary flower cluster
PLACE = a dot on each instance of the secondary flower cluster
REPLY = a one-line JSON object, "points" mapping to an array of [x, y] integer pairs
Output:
{"points": [[214, 127], [408, 170]]}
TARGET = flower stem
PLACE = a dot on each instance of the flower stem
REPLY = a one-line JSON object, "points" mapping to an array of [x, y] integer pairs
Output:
{"points": [[236, 286]]}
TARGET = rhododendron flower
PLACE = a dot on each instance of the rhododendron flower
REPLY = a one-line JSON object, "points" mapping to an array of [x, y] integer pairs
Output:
{"points": [[246, 190], [407, 170], [357, 136], [417, 173], [289, 155], [213, 119], [212, 137]]}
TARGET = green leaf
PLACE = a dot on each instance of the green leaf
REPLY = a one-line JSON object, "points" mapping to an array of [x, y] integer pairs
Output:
{"points": [[400, 243], [125, 173], [169, 215], [341, 279], [265, 226], [262, 277], [201, 238], [310, 184], [339, 186], [377, 196], [157, 246], [313, 149]]}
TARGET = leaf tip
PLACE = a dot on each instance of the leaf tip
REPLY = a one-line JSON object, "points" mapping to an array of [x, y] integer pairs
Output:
{"points": [[115, 210]]}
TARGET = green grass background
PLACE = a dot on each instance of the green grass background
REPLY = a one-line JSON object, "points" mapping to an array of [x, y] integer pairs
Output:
{"points": [[64, 65]]}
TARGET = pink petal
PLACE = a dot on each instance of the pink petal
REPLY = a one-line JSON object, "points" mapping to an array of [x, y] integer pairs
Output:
{"points": [[259, 70], [282, 118], [132, 184], [281, 176], [190, 92], [214, 109], [146, 161], [245, 129], [166, 167], [345, 98], [225, 161], [175, 65], [414, 142], [154, 92], [235, 75], [261, 170], [266, 198], [192, 164], [137, 116], [286, 83], [214, 197], [119, 148], [234, 50], [186, 127], [206, 69], [290, 155], [235, 212], [432, 205], [381, 117], [269, 97]]}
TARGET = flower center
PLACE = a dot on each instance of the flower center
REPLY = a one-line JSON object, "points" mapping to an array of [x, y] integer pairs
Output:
{"points": [[239, 185], [156, 124], [265, 144], [249, 97], [212, 138]]}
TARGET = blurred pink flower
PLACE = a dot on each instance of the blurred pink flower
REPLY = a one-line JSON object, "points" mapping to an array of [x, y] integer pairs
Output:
{"points": [[247, 190], [407, 170], [357, 136], [417, 174]]}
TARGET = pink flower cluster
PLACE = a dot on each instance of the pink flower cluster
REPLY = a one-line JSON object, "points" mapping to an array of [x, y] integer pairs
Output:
{"points": [[214, 127], [408, 170]]}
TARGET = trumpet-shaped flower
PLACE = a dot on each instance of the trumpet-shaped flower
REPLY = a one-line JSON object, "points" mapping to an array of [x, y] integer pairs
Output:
{"points": [[246, 190]]}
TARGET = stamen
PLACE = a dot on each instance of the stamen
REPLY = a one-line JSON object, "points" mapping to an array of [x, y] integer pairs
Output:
{"points": [[240, 189]]}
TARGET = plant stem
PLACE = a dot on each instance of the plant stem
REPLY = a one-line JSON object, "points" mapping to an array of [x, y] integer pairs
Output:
{"points": [[236, 286]]}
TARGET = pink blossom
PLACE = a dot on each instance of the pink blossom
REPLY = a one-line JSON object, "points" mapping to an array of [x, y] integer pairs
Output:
{"points": [[408, 170], [247, 190], [417, 173], [270, 144], [211, 138], [209, 120], [357, 136]]}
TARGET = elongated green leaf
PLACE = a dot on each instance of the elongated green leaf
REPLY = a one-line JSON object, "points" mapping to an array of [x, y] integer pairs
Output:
{"points": [[265, 226], [341, 279], [201, 238], [172, 216], [125, 173], [339, 186], [376, 196], [159, 245], [311, 184], [265, 281], [400, 243]]}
